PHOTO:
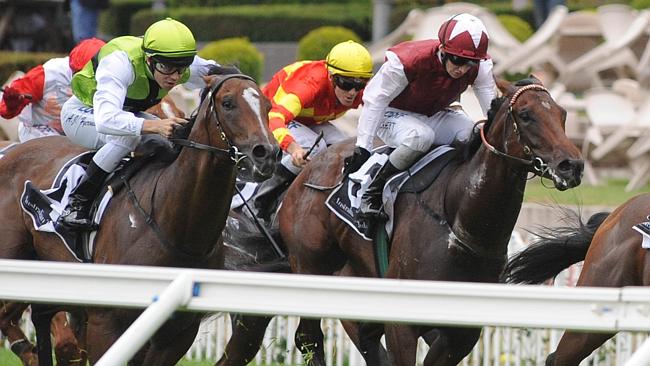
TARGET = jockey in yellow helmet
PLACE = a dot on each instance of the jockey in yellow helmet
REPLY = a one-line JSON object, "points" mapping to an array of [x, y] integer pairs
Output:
{"points": [[305, 97]]}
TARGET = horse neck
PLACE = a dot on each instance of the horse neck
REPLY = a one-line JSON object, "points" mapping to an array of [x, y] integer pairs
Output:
{"points": [[193, 196], [485, 197]]}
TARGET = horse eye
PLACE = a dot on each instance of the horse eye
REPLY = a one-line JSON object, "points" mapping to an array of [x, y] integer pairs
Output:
{"points": [[228, 104], [524, 116]]}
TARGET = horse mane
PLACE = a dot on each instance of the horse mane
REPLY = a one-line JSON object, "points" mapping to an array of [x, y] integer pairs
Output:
{"points": [[467, 149], [219, 70]]}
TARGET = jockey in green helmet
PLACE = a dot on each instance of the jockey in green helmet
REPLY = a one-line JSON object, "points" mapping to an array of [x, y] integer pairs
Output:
{"points": [[111, 93]]}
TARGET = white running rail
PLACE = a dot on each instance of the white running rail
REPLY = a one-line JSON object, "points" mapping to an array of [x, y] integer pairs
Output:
{"points": [[423, 302]]}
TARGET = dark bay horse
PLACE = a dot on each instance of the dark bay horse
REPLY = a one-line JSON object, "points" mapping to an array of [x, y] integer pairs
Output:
{"points": [[457, 229], [188, 201], [612, 254]]}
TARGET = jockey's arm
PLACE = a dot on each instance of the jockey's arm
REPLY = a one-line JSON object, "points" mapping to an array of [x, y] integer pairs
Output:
{"points": [[31, 84], [385, 86], [484, 86], [114, 75]]}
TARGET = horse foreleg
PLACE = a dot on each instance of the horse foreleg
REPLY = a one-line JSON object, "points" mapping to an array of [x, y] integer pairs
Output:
{"points": [[103, 329], [448, 346], [309, 339], [170, 343], [367, 338], [575, 347], [66, 347], [10, 315], [247, 336], [42, 318], [402, 341]]}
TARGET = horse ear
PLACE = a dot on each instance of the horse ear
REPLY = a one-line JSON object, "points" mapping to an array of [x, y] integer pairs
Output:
{"points": [[504, 86], [209, 79], [537, 80]]}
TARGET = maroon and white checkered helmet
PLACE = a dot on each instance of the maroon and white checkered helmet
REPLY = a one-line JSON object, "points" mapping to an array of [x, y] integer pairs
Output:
{"points": [[464, 35]]}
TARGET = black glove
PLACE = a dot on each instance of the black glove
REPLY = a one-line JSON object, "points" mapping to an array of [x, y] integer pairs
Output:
{"points": [[356, 160]]}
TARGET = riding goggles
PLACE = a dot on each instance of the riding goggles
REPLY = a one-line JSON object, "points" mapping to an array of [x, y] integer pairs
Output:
{"points": [[461, 61], [166, 69], [347, 83]]}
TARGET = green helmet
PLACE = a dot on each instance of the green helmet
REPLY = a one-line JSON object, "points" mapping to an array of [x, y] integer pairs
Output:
{"points": [[169, 41]]}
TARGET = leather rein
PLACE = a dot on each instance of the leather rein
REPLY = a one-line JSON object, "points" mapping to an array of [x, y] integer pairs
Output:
{"points": [[535, 163]]}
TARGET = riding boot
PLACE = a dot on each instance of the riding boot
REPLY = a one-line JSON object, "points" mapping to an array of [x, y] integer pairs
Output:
{"points": [[266, 198], [371, 202], [77, 213]]}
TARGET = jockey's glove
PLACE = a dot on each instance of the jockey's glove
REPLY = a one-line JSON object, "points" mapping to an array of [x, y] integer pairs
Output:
{"points": [[13, 98]]}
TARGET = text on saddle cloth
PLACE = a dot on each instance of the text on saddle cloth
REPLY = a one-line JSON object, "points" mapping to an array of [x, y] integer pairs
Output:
{"points": [[45, 206], [345, 200], [644, 229]]}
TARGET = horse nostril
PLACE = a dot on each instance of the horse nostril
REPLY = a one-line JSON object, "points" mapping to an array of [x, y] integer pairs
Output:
{"points": [[260, 151], [571, 165]]}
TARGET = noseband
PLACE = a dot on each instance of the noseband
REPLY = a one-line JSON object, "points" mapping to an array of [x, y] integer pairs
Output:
{"points": [[233, 152], [535, 164]]}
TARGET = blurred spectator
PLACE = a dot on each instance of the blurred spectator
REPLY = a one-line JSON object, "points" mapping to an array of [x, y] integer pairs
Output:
{"points": [[85, 16], [542, 8]]}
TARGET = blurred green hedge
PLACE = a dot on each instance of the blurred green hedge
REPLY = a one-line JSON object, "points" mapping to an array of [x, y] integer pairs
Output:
{"points": [[273, 23], [316, 44], [236, 51], [11, 61], [518, 27], [116, 20]]}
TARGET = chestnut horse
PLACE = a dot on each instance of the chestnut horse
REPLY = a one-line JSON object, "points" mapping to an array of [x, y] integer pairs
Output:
{"points": [[612, 254], [457, 229], [66, 347], [169, 214]]}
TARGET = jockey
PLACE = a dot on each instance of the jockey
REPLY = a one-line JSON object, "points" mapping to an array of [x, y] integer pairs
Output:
{"points": [[129, 75], [46, 87], [305, 97], [407, 104]]}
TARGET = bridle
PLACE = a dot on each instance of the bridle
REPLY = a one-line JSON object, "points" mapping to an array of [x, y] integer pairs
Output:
{"points": [[535, 164], [233, 152]]}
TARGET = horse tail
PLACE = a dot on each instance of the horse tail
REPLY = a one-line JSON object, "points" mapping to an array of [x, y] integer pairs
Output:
{"points": [[555, 250]]}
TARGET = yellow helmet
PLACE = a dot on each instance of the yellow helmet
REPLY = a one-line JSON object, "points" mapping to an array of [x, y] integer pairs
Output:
{"points": [[350, 59]]}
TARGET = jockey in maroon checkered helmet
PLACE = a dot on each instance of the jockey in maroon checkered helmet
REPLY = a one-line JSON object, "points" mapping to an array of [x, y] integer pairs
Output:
{"points": [[408, 103]]}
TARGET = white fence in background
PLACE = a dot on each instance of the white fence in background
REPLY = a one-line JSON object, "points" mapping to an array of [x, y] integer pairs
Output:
{"points": [[460, 304]]}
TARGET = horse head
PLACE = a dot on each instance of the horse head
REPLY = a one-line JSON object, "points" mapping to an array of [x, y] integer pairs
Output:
{"points": [[234, 113], [533, 133]]}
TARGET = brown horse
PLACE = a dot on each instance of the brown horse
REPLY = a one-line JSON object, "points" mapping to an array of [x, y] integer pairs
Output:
{"points": [[66, 348], [170, 214], [612, 254], [457, 229]]}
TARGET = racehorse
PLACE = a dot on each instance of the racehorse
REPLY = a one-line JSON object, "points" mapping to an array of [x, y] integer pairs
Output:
{"points": [[456, 229], [612, 254], [168, 214], [66, 347]]}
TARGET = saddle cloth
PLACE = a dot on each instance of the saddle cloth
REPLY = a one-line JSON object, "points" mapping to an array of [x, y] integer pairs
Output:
{"points": [[344, 201], [644, 229], [45, 207]]}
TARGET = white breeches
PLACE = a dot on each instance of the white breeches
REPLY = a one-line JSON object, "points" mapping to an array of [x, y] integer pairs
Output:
{"points": [[413, 134], [78, 123], [305, 136]]}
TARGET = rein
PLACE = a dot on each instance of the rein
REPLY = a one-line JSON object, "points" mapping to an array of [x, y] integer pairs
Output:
{"points": [[232, 151], [536, 163]]}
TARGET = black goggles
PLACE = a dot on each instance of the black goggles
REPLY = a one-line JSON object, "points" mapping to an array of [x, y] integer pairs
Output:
{"points": [[167, 69], [347, 84], [461, 61]]}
